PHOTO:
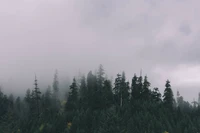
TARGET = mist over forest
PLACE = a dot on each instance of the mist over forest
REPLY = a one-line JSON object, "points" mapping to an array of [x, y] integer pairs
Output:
{"points": [[161, 38], [93, 103], [51, 80]]}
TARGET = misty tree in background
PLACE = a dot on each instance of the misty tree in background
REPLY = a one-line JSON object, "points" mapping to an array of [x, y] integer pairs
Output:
{"points": [[11, 101], [83, 93], [18, 106], [56, 85], [83, 87], [36, 96], [92, 91], [28, 96], [180, 101], [56, 101], [48, 98]]}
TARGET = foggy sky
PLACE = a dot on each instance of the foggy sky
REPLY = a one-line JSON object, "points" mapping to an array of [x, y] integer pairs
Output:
{"points": [[161, 37]]}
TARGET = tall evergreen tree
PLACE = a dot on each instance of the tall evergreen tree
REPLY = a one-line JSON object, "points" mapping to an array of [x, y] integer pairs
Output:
{"points": [[121, 89], [93, 93], [140, 84], [83, 93], [124, 89], [72, 100], [83, 88], [135, 92], [145, 93], [107, 97], [117, 90], [37, 97], [168, 96], [99, 91], [180, 101]]}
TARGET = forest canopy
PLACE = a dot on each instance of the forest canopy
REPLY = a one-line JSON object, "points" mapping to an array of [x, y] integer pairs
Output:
{"points": [[94, 104]]}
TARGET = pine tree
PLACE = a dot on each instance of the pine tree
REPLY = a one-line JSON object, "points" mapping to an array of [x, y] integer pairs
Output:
{"points": [[92, 91], [83, 88], [99, 91], [4, 104], [36, 96], [135, 92], [140, 84], [168, 96], [72, 99], [18, 106], [48, 98], [11, 101], [107, 97], [83, 93], [145, 93], [124, 89], [121, 89], [180, 101], [56, 85], [117, 90], [28, 96]]}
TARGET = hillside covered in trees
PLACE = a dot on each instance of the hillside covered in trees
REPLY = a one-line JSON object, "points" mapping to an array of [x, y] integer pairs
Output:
{"points": [[95, 105]]}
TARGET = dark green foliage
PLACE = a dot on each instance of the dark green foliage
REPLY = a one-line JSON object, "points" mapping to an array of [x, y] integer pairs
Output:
{"points": [[72, 100], [117, 90], [96, 107], [36, 98], [121, 90], [107, 95], [93, 92], [83, 93], [168, 97], [135, 92], [83, 88], [155, 95], [145, 93]]}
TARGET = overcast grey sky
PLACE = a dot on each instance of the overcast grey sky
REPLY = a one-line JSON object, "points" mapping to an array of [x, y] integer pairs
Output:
{"points": [[160, 36]]}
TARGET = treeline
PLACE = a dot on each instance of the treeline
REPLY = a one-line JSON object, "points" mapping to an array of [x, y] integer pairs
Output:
{"points": [[95, 105]]}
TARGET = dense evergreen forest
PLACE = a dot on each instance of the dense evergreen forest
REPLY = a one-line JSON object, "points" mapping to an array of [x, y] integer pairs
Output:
{"points": [[95, 105]]}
